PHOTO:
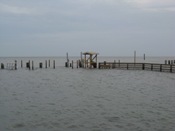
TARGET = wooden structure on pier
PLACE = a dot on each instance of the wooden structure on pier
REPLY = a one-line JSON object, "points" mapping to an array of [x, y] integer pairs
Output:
{"points": [[90, 59]]}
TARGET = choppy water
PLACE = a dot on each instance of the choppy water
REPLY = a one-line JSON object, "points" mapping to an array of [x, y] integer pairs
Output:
{"points": [[83, 99]]}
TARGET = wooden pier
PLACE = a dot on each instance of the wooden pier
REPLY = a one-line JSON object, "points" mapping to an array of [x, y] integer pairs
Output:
{"points": [[138, 66]]}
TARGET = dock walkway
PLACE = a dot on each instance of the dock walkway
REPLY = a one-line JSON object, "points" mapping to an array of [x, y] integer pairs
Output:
{"points": [[138, 66]]}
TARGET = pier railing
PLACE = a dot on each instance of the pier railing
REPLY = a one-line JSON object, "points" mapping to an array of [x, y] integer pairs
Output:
{"points": [[138, 66]]}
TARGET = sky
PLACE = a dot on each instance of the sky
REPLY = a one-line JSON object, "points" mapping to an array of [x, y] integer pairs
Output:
{"points": [[109, 27]]}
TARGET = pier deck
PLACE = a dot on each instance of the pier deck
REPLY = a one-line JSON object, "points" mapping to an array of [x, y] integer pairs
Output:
{"points": [[138, 66]]}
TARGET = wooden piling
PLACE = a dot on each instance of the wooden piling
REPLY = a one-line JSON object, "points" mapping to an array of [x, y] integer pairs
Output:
{"points": [[21, 64], [143, 66], [151, 66], [169, 62], [15, 64], [77, 64], [171, 70], [49, 63], [165, 62], [72, 64], [46, 63], [127, 66], [29, 64], [54, 64], [40, 65], [32, 65], [2, 66], [134, 56], [160, 68], [144, 56], [67, 59], [119, 63]]}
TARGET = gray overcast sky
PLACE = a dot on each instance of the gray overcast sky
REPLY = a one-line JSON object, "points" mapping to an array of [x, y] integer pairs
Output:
{"points": [[109, 27]]}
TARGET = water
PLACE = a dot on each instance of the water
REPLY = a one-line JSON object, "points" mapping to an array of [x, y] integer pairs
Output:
{"points": [[84, 99]]}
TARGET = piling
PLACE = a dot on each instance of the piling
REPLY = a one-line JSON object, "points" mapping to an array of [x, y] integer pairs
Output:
{"points": [[72, 64], [32, 65], [143, 66], [15, 64], [165, 62], [151, 66], [77, 64], [160, 68], [169, 62], [144, 56], [2, 66], [127, 66], [46, 63], [67, 59], [113, 65], [134, 56], [49, 63], [21, 64], [54, 64], [40, 65], [171, 70], [29, 64]]}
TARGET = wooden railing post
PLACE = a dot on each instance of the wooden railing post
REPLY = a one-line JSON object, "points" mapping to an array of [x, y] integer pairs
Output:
{"points": [[151, 66], [143, 66], [171, 70], [127, 66]]}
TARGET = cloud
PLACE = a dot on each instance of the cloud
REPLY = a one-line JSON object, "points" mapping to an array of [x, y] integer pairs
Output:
{"points": [[5, 8]]}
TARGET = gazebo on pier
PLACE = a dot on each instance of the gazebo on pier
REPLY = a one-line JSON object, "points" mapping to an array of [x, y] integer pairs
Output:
{"points": [[90, 59]]}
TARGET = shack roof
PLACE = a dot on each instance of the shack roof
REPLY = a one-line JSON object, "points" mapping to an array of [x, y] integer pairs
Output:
{"points": [[90, 53]]}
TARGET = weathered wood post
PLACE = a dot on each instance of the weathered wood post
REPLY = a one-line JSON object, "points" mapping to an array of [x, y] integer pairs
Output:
{"points": [[134, 57], [41, 65], [46, 63], [49, 63], [160, 67], [144, 56], [165, 62], [32, 65], [171, 70], [77, 64], [54, 64], [127, 66], [72, 64], [119, 63], [21, 64], [67, 60], [143, 66], [151, 66], [15, 64], [29, 64], [2, 66], [169, 62]]}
